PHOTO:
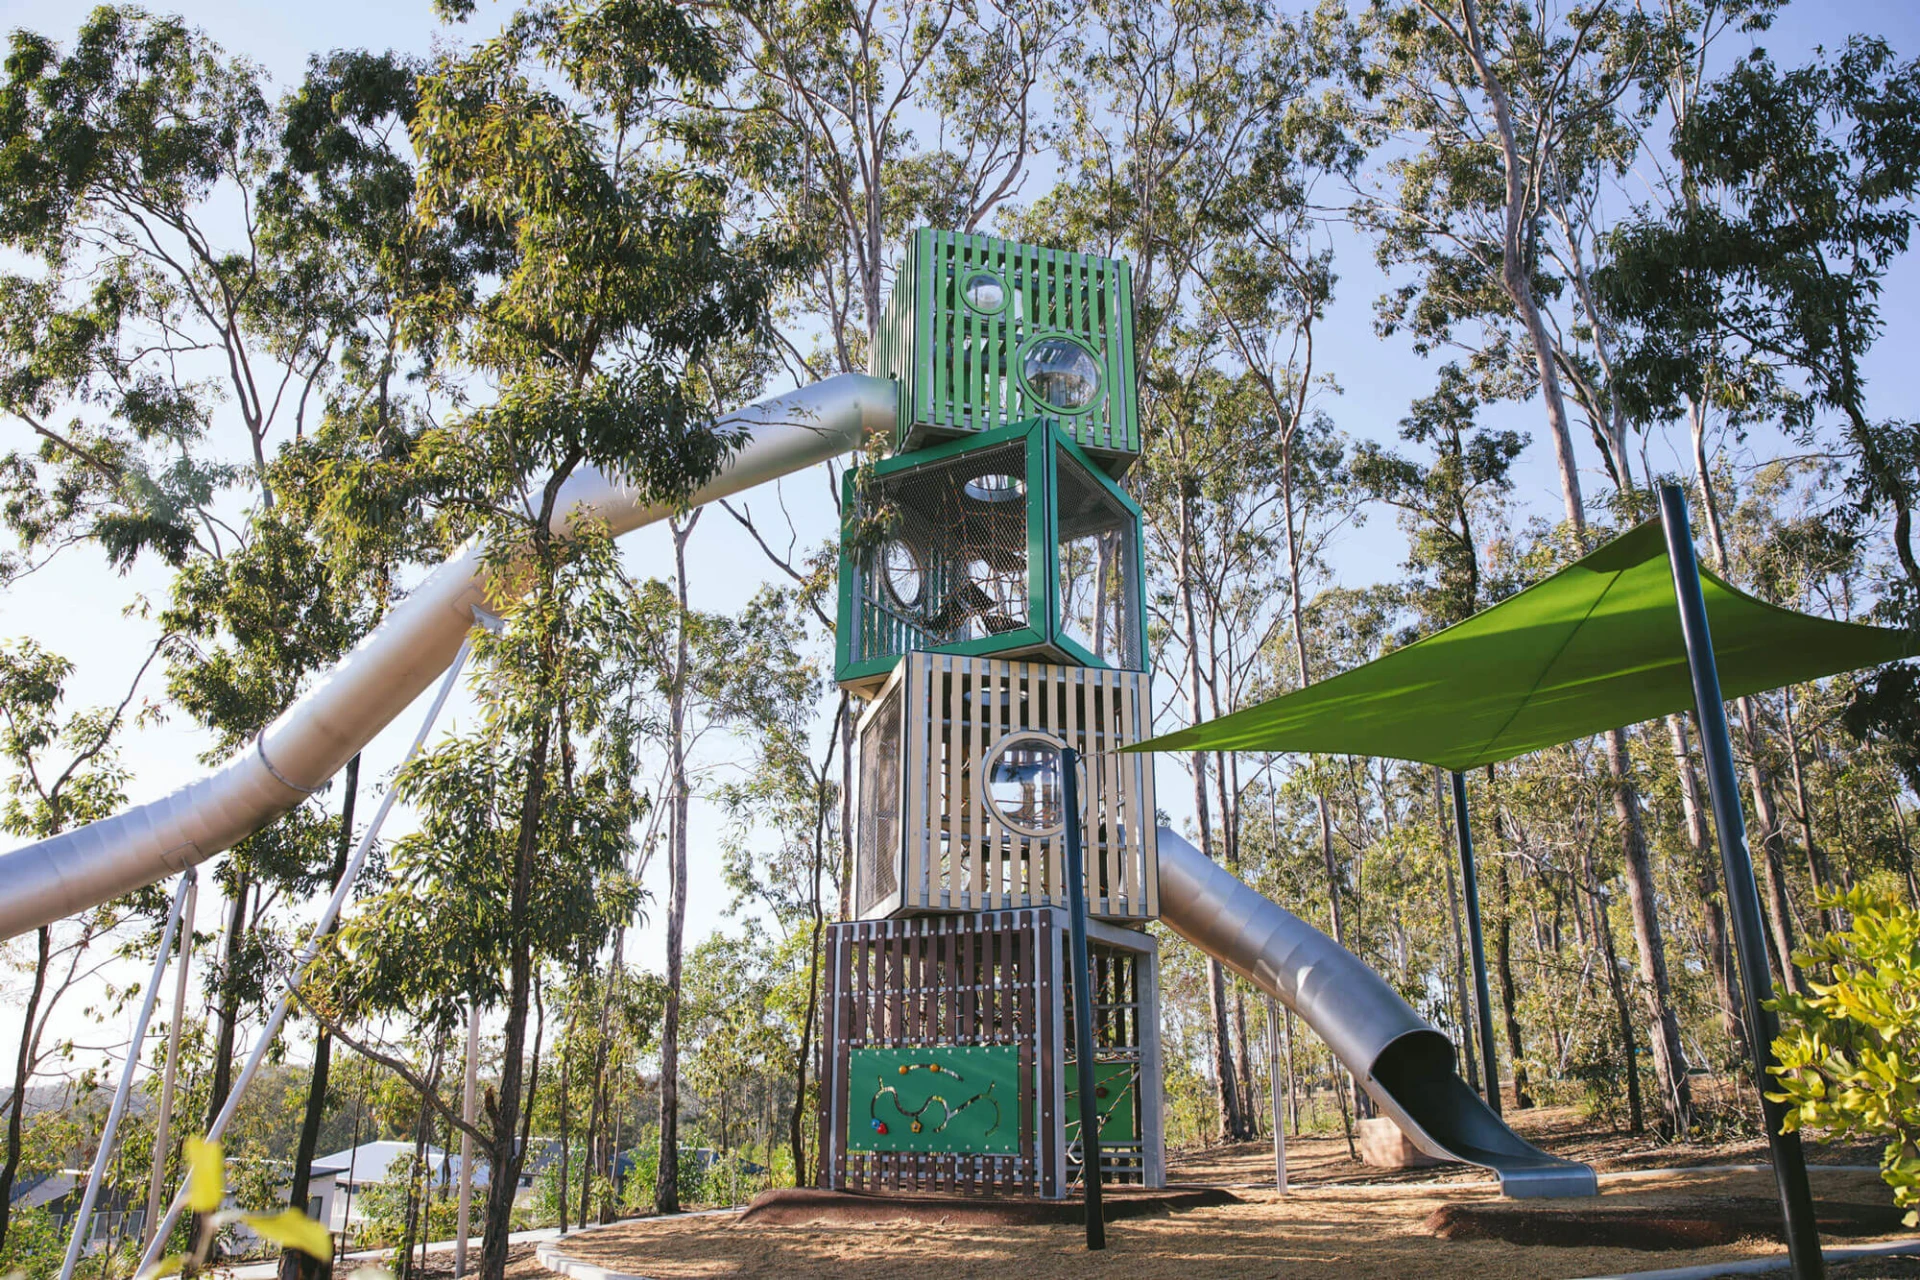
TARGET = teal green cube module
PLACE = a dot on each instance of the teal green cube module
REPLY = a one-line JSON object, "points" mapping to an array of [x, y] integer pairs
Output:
{"points": [[1009, 543], [982, 332]]}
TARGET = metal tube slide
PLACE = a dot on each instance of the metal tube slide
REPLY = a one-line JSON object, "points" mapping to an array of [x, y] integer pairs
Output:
{"points": [[1405, 1065], [316, 736]]}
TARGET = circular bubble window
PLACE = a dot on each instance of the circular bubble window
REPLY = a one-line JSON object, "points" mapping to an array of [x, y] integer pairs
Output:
{"points": [[995, 488], [1062, 372], [983, 292], [1024, 784], [900, 570]]}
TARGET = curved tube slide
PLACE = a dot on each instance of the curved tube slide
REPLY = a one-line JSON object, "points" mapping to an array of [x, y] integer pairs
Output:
{"points": [[315, 737], [1404, 1064]]}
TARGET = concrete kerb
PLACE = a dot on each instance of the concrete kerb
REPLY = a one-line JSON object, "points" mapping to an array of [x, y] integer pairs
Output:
{"points": [[1766, 1266], [549, 1255]]}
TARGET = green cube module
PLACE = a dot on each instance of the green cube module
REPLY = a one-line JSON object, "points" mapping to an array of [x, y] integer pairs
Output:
{"points": [[982, 332], [1011, 543]]}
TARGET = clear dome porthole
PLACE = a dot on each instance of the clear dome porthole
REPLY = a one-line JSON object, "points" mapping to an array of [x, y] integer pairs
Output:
{"points": [[1024, 785], [983, 292], [995, 489], [1061, 372]]}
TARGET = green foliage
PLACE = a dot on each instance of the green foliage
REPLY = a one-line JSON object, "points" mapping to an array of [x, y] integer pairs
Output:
{"points": [[1849, 1052]]}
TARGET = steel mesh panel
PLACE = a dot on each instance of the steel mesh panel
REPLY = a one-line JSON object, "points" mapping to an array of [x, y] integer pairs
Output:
{"points": [[952, 565], [879, 830], [1099, 568]]}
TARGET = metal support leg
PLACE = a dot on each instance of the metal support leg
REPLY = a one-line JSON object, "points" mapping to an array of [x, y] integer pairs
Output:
{"points": [[170, 1074], [1743, 896], [321, 927], [84, 1218], [469, 1089]]}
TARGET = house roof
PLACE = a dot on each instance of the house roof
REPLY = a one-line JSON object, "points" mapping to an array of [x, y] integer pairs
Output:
{"points": [[372, 1161]]}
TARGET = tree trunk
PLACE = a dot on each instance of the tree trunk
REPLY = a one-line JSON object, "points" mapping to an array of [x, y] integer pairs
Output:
{"points": [[1669, 1058], [1231, 1126], [1818, 869], [1706, 882], [1773, 860], [505, 1159], [1616, 987], [1503, 964], [22, 1069], [666, 1182], [294, 1264]]}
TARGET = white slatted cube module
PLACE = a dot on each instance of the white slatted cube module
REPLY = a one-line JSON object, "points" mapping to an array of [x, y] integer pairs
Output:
{"points": [[959, 803]]}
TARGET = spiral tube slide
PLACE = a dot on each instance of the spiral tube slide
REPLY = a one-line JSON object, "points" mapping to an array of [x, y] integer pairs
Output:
{"points": [[310, 741], [1404, 1064]]}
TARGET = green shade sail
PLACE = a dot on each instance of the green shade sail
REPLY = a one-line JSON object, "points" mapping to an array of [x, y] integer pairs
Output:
{"points": [[1593, 647]]}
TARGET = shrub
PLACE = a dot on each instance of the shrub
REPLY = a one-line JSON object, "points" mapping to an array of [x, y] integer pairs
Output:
{"points": [[1849, 1054]]}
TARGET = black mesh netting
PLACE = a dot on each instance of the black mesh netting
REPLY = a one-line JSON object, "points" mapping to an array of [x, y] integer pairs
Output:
{"points": [[879, 832], [1099, 593], [952, 565]]}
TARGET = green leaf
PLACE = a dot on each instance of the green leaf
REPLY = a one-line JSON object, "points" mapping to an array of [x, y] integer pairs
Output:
{"points": [[293, 1229], [206, 1176]]}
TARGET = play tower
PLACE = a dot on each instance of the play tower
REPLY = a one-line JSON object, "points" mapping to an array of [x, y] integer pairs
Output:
{"points": [[991, 616]]}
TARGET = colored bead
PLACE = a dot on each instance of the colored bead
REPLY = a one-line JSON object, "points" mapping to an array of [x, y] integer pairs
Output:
{"points": [[904, 1068], [916, 1126], [879, 1126]]}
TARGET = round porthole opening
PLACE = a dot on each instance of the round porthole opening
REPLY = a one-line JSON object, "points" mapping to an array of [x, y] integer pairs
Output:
{"points": [[983, 292], [1025, 785], [1061, 372], [995, 488], [901, 572]]}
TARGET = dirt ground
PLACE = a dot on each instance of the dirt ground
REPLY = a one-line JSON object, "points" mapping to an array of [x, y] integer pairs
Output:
{"points": [[1339, 1221]]}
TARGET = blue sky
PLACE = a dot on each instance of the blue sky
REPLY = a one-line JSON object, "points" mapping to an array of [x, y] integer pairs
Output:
{"points": [[77, 607]]}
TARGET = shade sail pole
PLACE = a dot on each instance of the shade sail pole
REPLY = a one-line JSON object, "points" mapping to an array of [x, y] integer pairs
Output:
{"points": [[1090, 1118], [1470, 885], [1743, 895]]}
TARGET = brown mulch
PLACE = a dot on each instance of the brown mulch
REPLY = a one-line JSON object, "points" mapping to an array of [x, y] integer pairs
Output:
{"points": [[1339, 1221], [805, 1206], [521, 1265]]}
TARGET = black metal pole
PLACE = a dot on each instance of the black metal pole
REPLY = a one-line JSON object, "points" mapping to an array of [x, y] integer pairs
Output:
{"points": [[1743, 896], [1470, 885], [1082, 1003]]}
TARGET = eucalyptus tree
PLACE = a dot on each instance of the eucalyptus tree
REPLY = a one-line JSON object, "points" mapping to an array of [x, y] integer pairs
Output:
{"points": [[208, 268], [1449, 504], [1501, 109], [63, 768], [1768, 277], [785, 846], [621, 274]]}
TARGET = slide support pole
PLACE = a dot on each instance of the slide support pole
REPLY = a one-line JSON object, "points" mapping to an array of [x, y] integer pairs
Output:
{"points": [[1470, 886], [163, 1121], [469, 1088], [1273, 1093], [83, 1219], [1743, 896], [321, 928], [1082, 1003]]}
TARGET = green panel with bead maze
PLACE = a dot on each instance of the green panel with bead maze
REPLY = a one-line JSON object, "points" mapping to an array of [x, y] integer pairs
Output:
{"points": [[1113, 1084], [948, 1099]]}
